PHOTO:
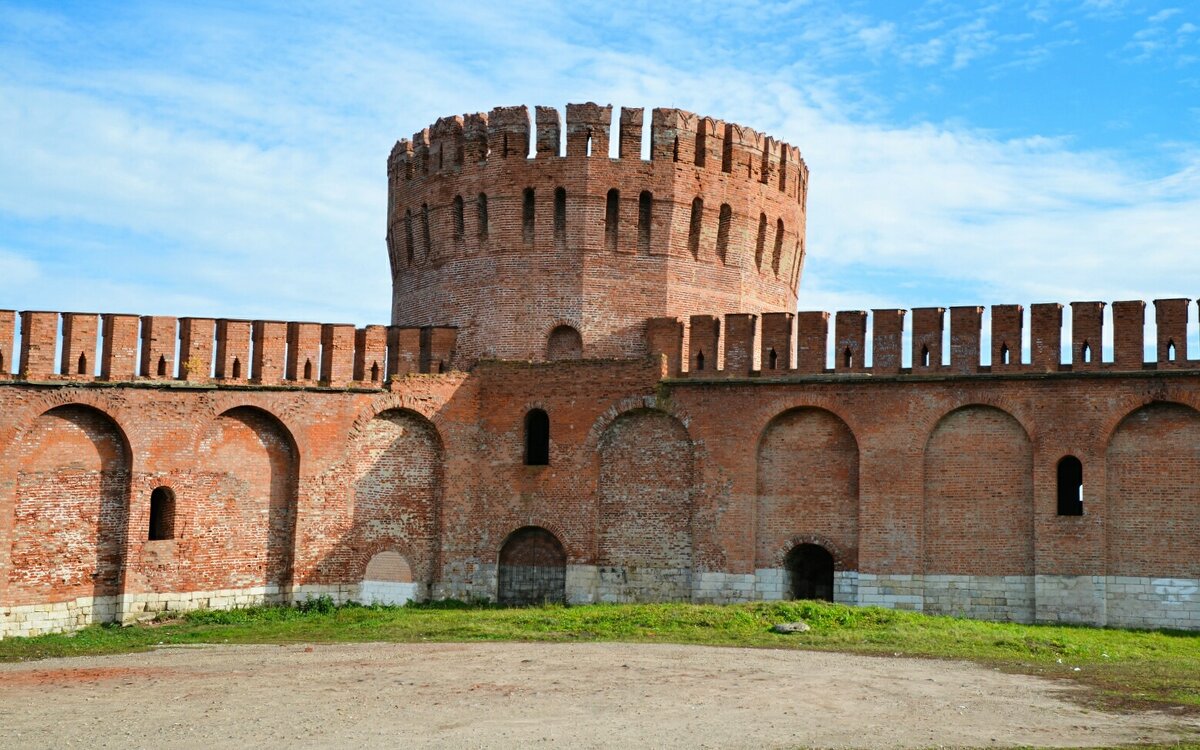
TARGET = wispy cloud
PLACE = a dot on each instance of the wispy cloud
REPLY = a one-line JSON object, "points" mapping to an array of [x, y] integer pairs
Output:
{"points": [[235, 164]]}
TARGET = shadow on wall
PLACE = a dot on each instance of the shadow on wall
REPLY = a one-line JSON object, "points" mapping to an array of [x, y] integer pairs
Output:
{"points": [[251, 462], [645, 507], [388, 541], [70, 520]]}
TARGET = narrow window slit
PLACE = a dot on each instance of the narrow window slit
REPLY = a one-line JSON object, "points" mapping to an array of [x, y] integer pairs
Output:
{"points": [[426, 237], [612, 208], [761, 242], [408, 236], [724, 220], [645, 216], [459, 223], [481, 209], [694, 227], [527, 216], [162, 514], [777, 253], [560, 213]]}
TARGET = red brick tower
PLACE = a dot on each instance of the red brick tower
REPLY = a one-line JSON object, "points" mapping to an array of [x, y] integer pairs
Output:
{"points": [[551, 256]]}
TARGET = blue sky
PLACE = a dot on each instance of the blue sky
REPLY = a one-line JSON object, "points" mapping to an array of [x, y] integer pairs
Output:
{"points": [[229, 159]]}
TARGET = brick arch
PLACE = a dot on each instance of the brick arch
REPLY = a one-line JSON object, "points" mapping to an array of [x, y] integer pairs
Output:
{"points": [[591, 444], [429, 410], [978, 494], [548, 337], [1125, 406], [1014, 409], [363, 555], [531, 567], [831, 405], [223, 403], [807, 466], [843, 559], [503, 528], [1152, 503], [24, 418]]}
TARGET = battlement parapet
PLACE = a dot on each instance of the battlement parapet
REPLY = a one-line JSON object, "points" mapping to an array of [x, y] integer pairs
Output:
{"points": [[469, 184], [861, 343], [468, 143], [83, 347]]}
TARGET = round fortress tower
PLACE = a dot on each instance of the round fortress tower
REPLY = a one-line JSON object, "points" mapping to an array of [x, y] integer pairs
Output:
{"points": [[553, 257]]}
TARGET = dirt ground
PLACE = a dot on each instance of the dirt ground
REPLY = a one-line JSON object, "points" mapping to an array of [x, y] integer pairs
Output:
{"points": [[594, 695]]}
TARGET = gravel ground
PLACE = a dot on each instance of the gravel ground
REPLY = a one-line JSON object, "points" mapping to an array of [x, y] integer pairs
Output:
{"points": [[595, 695]]}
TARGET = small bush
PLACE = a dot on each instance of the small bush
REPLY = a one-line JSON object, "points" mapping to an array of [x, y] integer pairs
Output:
{"points": [[321, 605]]}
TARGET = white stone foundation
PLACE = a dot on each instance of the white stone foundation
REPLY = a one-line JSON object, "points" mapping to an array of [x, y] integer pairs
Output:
{"points": [[391, 593], [894, 591], [1153, 602], [1007, 598]]}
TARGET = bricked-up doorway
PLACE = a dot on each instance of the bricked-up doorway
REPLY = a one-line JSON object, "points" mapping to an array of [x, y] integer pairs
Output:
{"points": [[810, 567], [533, 568]]}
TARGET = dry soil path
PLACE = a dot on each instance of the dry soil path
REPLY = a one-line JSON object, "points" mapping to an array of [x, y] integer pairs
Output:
{"points": [[539, 695]]}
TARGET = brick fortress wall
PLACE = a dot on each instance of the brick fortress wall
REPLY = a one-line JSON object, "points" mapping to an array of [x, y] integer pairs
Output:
{"points": [[932, 486], [699, 444]]}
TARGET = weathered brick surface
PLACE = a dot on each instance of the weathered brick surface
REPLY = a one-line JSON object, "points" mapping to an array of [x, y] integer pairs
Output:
{"points": [[388, 463]]}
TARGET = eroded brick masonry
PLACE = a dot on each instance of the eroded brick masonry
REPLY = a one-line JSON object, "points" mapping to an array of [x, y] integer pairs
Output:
{"points": [[594, 388]]}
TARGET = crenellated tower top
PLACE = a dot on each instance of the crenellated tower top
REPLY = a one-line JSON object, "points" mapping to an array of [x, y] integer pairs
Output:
{"points": [[537, 252]]}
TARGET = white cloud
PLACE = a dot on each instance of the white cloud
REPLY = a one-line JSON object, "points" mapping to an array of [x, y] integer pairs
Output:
{"points": [[261, 193]]}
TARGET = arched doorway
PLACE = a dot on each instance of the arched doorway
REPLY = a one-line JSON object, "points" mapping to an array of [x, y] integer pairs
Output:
{"points": [[533, 568], [810, 568]]}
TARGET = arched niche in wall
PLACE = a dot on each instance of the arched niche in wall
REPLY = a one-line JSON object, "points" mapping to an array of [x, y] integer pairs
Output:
{"points": [[244, 514], [564, 342], [1152, 513], [807, 483], [978, 495], [71, 510], [388, 579], [395, 466], [645, 508]]}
